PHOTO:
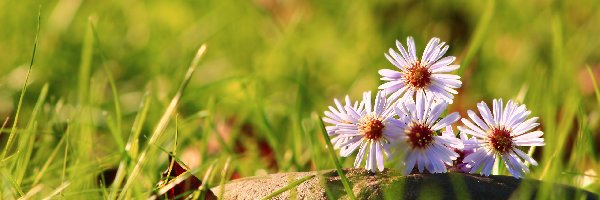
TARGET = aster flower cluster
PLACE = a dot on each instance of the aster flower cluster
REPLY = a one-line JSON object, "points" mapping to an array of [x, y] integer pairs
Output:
{"points": [[406, 120]]}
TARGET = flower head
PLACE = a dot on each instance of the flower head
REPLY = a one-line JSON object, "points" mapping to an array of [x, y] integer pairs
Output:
{"points": [[426, 74], [370, 127], [425, 147], [498, 135]]}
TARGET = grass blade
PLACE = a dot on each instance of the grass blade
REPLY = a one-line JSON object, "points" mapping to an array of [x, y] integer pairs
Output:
{"points": [[314, 158], [113, 87], [164, 120], [13, 131], [595, 84], [288, 187], [480, 31], [204, 187], [49, 161], [182, 177], [33, 191], [12, 181], [224, 177], [57, 190], [28, 138], [338, 166], [85, 66]]}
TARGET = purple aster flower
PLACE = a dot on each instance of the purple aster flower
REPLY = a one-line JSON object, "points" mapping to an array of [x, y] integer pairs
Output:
{"points": [[469, 145], [338, 115], [425, 147], [499, 134], [372, 128], [427, 74]]}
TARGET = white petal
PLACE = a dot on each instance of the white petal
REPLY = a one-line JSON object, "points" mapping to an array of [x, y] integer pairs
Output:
{"points": [[446, 76], [348, 132], [488, 164], [410, 161], [530, 142], [351, 145], [379, 103], [486, 114], [443, 62], [361, 155], [441, 93], [525, 126], [400, 61], [430, 48], [371, 158], [518, 116], [441, 52], [352, 114], [379, 156], [497, 109], [451, 83], [328, 120], [412, 50], [436, 111], [477, 120], [473, 127], [433, 159], [421, 161], [525, 156], [448, 120], [391, 57], [471, 132], [334, 114], [390, 73], [534, 134], [420, 103], [443, 69], [405, 54], [368, 102]]}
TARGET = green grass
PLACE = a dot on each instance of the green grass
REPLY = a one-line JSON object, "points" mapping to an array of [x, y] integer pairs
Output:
{"points": [[94, 87]]}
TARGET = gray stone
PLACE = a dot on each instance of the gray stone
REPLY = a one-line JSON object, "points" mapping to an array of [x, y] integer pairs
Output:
{"points": [[391, 184]]}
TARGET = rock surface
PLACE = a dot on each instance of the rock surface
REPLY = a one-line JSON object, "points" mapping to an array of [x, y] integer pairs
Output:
{"points": [[391, 184]]}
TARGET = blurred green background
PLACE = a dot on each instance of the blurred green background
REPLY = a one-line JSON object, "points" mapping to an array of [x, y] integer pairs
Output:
{"points": [[269, 66]]}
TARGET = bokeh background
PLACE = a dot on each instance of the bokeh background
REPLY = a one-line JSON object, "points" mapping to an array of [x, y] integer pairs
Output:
{"points": [[269, 66]]}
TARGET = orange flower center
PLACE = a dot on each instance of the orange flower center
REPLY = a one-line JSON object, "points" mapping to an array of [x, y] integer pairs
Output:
{"points": [[371, 127], [418, 76], [419, 136], [500, 140]]}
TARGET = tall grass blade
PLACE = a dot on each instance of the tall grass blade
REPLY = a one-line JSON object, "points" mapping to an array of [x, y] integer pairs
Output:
{"points": [[32, 192], [12, 181], [57, 190], [478, 35], [113, 88], [224, 177], [182, 177], [49, 161], [13, 131], [85, 65], [162, 124], [205, 181], [315, 158], [207, 128], [595, 84], [28, 138], [288, 187], [338, 166]]}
